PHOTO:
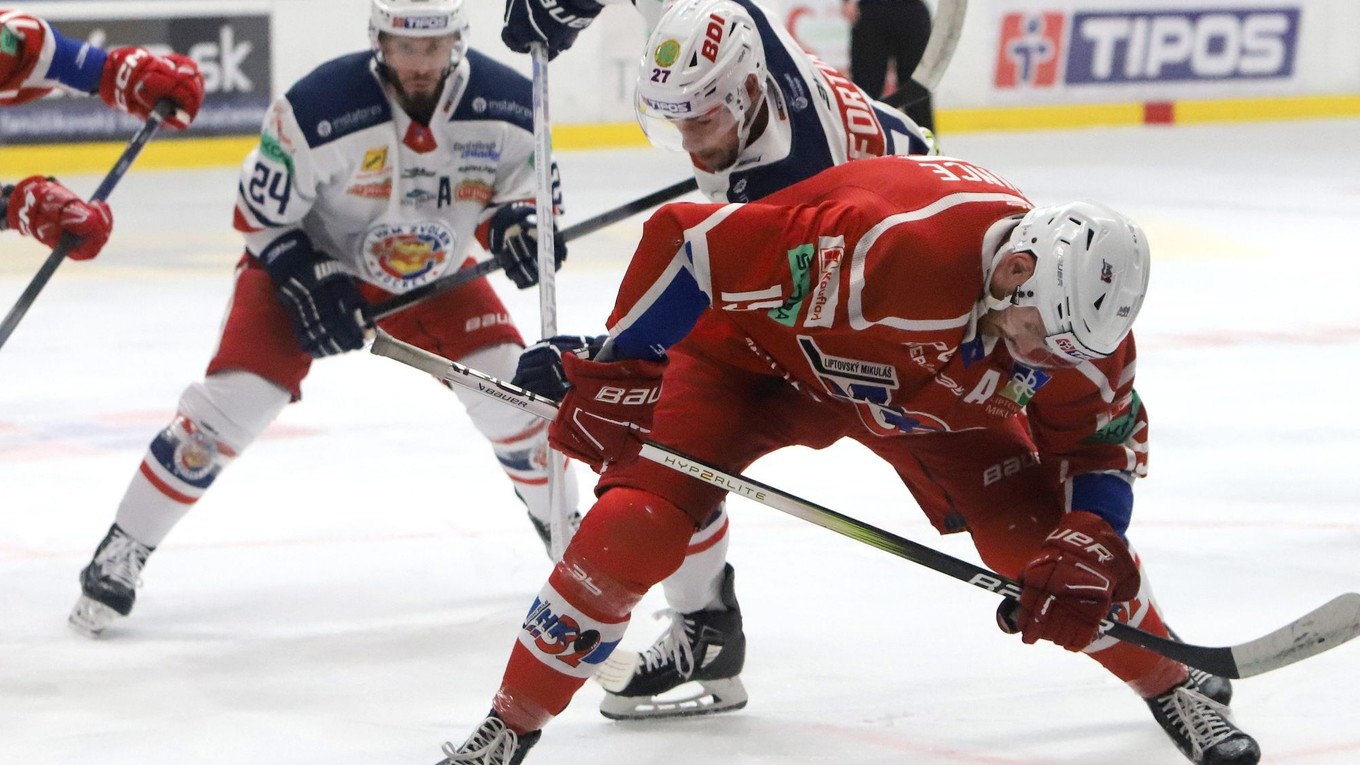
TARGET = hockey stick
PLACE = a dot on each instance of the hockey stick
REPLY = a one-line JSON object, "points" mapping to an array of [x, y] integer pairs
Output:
{"points": [[49, 266], [559, 525], [945, 30], [589, 226], [1319, 630]]}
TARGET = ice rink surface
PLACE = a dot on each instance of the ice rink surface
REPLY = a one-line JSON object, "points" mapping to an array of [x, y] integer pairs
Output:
{"points": [[349, 590]]}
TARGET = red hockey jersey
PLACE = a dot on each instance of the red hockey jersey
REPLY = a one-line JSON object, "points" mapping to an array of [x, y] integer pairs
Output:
{"points": [[865, 283], [26, 50]]}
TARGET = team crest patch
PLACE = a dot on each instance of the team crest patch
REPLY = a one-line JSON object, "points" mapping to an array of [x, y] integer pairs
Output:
{"points": [[403, 256], [667, 53]]}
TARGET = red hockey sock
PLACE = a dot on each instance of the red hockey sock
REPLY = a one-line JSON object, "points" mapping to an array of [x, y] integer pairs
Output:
{"points": [[1147, 673], [629, 541]]}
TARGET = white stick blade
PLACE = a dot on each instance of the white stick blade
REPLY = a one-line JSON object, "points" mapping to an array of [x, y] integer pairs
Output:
{"points": [[1320, 630]]}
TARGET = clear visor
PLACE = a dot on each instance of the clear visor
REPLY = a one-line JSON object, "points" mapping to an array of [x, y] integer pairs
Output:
{"points": [[680, 126]]}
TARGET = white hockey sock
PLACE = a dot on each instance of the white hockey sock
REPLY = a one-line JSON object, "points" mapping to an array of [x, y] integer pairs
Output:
{"points": [[519, 439], [217, 419], [697, 584]]}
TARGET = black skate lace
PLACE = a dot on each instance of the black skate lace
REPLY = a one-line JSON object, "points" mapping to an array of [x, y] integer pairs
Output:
{"points": [[122, 560], [1199, 717], [675, 646], [490, 744]]}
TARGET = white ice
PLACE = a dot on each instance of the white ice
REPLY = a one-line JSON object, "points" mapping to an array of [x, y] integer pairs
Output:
{"points": [[349, 590]]}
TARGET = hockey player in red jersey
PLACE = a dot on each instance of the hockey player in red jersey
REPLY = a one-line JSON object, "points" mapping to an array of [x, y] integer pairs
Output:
{"points": [[723, 81], [922, 307], [34, 60], [375, 174]]}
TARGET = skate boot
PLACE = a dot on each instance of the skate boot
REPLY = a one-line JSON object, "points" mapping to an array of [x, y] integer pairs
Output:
{"points": [[109, 584], [545, 533], [1217, 688], [706, 647], [491, 744], [1202, 728]]}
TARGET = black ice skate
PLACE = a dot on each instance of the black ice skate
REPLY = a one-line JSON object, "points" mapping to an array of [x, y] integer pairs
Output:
{"points": [[1217, 688], [1201, 727], [706, 647], [491, 744], [109, 584]]}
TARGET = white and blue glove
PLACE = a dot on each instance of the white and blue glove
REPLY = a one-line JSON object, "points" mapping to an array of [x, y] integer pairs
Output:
{"points": [[555, 23], [540, 365], [512, 238]]}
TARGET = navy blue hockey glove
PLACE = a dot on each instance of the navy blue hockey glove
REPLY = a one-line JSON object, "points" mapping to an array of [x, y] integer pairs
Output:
{"points": [[540, 365], [323, 301], [513, 239], [553, 22]]}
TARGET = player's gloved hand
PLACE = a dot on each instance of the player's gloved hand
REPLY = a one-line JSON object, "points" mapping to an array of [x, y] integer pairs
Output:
{"points": [[552, 22], [45, 210], [540, 365], [1082, 570], [512, 237], [323, 301], [607, 412], [135, 80]]}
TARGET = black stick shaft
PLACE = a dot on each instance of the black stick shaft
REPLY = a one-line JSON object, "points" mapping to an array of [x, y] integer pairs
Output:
{"points": [[68, 242]]}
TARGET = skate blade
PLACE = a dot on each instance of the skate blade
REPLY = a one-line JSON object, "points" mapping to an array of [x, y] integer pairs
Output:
{"points": [[714, 696], [90, 617], [617, 671]]}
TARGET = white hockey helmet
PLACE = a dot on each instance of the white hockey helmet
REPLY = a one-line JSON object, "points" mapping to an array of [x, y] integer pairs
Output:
{"points": [[419, 18], [1090, 276], [698, 59]]}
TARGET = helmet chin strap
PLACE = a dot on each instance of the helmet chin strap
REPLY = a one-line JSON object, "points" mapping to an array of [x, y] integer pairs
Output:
{"points": [[744, 126]]}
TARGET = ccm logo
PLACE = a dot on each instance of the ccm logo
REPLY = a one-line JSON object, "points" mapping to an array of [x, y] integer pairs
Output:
{"points": [[628, 396]]}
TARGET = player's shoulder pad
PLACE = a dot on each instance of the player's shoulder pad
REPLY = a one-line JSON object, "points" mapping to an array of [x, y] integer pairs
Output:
{"points": [[338, 98], [495, 92]]}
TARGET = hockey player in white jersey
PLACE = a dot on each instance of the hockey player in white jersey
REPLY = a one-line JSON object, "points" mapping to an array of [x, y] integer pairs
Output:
{"points": [[723, 81], [374, 175]]}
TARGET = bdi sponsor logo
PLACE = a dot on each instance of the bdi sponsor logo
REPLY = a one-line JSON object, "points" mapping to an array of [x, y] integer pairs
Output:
{"points": [[1043, 49]]}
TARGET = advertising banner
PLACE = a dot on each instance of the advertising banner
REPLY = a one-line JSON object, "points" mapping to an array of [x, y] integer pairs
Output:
{"points": [[232, 51], [1075, 48]]}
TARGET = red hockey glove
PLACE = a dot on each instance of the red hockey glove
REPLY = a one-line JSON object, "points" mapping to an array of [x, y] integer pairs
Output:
{"points": [[608, 411], [1082, 570], [44, 209], [135, 79]]}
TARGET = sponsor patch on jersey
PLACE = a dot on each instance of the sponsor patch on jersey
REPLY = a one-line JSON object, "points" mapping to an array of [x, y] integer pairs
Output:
{"points": [[827, 294], [9, 42], [478, 150], [800, 264], [666, 53], [402, 256], [502, 108], [1118, 430], [272, 150], [378, 190], [375, 160], [474, 191]]}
